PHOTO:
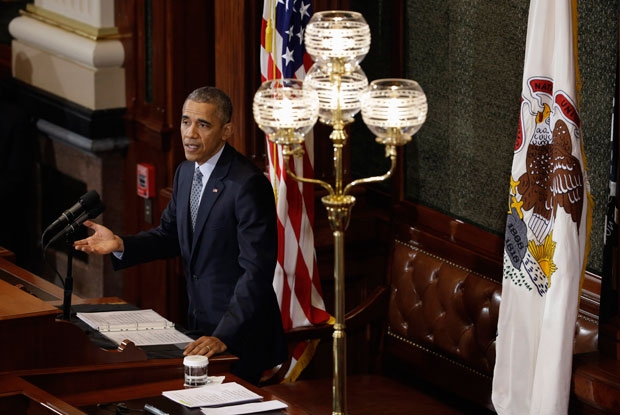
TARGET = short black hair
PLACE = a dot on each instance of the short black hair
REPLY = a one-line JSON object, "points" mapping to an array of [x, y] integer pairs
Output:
{"points": [[213, 95]]}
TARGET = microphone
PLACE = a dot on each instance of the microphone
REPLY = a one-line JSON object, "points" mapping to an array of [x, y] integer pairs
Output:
{"points": [[90, 213], [86, 202]]}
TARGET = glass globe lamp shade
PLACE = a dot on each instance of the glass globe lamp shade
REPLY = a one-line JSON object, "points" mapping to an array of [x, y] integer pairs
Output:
{"points": [[286, 110], [339, 96], [337, 36], [394, 109]]}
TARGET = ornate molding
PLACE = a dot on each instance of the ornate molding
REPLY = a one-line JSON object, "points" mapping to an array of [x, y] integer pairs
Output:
{"points": [[96, 13], [97, 54]]}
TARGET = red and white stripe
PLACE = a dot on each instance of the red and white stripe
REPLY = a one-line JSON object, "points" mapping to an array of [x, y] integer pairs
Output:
{"points": [[297, 283]]}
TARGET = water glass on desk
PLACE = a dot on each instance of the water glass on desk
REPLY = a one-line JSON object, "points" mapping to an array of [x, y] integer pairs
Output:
{"points": [[196, 370]]}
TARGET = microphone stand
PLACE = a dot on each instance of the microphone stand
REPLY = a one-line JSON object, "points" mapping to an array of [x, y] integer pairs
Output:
{"points": [[66, 304], [69, 234]]}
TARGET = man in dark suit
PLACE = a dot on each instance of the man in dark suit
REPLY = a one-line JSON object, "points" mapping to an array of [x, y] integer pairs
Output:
{"points": [[229, 255]]}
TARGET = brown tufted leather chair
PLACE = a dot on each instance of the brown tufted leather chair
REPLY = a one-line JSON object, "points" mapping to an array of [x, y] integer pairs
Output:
{"points": [[437, 317], [442, 323]]}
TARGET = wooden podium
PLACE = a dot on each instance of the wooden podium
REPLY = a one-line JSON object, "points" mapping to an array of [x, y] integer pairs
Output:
{"points": [[50, 366], [33, 337]]}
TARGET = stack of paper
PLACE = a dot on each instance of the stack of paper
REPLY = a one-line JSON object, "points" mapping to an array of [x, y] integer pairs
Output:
{"points": [[143, 327], [247, 408], [223, 399]]}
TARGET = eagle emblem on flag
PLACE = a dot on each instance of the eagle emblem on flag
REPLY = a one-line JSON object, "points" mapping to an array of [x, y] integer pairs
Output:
{"points": [[552, 181]]}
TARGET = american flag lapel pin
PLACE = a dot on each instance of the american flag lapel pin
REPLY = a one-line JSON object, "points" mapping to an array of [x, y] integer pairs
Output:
{"points": [[214, 190]]}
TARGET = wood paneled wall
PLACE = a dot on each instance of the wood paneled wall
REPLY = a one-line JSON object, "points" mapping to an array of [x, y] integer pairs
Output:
{"points": [[169, 52], [173, 48]]}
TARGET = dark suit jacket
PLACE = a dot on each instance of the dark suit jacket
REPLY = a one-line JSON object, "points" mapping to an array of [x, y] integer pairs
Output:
{"points": [[229, 260]]}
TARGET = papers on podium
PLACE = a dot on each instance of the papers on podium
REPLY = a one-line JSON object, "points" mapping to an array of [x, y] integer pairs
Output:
{"points": [[222, 394], [246, 408], [142, 327]]}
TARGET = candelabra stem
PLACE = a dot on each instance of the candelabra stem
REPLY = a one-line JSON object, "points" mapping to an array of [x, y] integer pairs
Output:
{"points": [[339, 212], [339, 385], [339, 139], [390, 151], [287, 152]]}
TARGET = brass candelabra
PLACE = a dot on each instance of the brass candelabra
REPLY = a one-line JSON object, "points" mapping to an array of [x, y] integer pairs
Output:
{"points": [[334, 91]]}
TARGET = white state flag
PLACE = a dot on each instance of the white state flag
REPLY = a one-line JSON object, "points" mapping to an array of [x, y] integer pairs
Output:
{"points": [[548, 224]]}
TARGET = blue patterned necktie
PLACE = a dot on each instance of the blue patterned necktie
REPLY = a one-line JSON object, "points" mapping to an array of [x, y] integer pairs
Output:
{"points": [[194, 199]]}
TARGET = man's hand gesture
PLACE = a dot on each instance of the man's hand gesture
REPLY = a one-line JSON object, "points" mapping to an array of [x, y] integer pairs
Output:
{"points": [[102, 242]]}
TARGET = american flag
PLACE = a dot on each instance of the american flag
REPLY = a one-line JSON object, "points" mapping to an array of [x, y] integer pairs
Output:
{"points": [[297, 283]]}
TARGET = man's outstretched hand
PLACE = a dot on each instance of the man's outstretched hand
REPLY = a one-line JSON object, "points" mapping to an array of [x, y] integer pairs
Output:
{"points": [[102, 242]]}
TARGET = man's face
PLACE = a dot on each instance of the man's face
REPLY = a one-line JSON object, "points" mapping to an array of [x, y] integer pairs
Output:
{"points": [[202, 131]]}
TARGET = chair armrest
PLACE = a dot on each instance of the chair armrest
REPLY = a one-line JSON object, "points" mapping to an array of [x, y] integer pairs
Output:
{"points": [[372, 310]]}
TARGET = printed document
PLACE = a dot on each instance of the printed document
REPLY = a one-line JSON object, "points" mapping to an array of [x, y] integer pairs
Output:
{"points": [[246, 408], [227, 393], [142, 327]]}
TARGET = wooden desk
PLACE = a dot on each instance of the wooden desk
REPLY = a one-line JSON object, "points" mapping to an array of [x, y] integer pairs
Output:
{"points": [[50, 366], [20, 397], [33, 337], [136, 397], [98, 390], [33, 284]]}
